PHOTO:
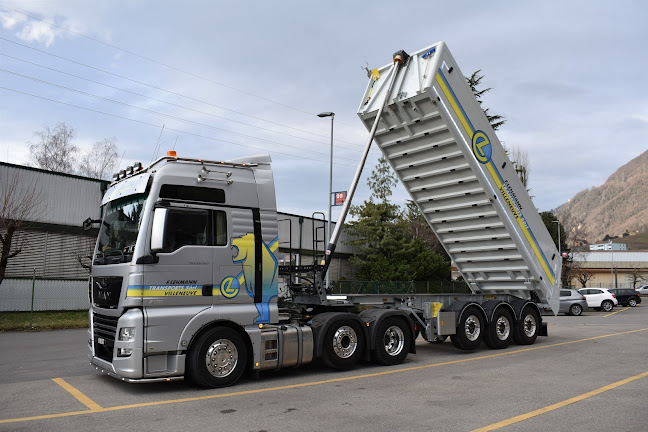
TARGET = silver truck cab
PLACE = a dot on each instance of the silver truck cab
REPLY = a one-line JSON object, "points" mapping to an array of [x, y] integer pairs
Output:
{"points": [[178, 241]]}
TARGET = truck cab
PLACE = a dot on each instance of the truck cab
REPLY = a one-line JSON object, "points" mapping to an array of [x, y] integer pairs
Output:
{"points": [[179, 241]]}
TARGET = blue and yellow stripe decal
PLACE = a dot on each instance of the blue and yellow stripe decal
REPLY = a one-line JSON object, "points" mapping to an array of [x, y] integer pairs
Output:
{"points": [[482, 150]]}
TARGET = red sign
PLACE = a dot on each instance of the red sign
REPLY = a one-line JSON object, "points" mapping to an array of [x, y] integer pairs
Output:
{"points": [[340, 197]]}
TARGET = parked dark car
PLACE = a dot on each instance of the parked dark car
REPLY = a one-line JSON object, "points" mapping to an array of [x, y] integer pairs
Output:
{"points": [[572, 302], [626, 297]]}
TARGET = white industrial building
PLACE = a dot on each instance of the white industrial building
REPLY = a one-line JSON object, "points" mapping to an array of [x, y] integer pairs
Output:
{"points": [[608, 246], [54, 243]]}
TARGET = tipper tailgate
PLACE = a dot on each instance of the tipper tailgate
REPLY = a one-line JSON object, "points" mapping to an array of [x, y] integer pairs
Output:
{"points": [[439, 142]]}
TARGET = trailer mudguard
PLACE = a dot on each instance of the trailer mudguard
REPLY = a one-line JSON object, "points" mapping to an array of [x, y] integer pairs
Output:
{"points": [[373, 317], [322, 322]]}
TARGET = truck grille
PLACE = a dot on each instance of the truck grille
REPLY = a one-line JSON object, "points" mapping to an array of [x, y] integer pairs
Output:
{"points": [[105, 330], [105, 291]]}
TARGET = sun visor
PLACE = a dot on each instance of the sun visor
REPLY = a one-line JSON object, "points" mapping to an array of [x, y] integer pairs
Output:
{"points": [[130, 186]]}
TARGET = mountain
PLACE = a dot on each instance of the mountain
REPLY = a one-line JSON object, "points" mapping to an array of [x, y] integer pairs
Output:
{"points": [[618, 206]]}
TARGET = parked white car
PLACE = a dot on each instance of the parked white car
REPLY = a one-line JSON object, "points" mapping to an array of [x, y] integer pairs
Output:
{"points": [[599, 298], [643, 290]]}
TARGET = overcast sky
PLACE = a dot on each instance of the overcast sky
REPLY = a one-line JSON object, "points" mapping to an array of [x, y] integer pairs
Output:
{"points": [[230, 79]]}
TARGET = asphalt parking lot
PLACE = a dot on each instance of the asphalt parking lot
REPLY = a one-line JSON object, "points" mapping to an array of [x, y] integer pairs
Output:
{"points": [[590, 374]]}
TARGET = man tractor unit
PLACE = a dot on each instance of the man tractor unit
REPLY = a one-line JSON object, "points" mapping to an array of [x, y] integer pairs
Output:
{"points": [[184, 279]]}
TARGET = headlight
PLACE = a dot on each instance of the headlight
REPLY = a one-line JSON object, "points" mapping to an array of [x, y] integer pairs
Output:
{"points": [[127, 333]]}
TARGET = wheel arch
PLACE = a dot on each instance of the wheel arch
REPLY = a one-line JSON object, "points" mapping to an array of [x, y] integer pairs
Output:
{"points": [[372, 318], [492, 306], [192, 332], [459, 307], [320, 324]]}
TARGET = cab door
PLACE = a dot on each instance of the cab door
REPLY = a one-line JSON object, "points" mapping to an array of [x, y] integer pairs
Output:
{"points": [[181, 278]]}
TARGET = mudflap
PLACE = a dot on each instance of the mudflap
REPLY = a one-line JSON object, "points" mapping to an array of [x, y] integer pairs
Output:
{"points": [[544, 330]]}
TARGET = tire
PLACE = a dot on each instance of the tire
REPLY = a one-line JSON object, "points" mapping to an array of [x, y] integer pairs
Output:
{"points": [[575, 310], [499, 333], [632, 302], [392, 341], [607, 306], [217, 358], [470, 330], [343, 344], [527, 328]]}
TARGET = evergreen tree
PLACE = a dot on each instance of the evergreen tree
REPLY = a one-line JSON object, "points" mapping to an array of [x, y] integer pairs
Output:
{"points": [[387, 249]]}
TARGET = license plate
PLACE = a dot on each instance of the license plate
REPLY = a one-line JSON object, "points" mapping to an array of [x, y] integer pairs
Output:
{"points": [[102, 341]]}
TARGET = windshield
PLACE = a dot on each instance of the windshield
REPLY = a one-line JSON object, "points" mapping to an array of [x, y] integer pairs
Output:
{"points": [[119, 229]]}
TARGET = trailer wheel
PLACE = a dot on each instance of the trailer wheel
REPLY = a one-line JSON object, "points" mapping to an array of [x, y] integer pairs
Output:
{"points": [[526, 330], [499, 332], [217, 358], [343, 344], [470, 330], [392, 342]]}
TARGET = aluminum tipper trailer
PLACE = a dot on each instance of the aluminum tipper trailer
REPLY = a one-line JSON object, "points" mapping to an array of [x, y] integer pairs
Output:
{"points": [[439, 142], [185, 273]]}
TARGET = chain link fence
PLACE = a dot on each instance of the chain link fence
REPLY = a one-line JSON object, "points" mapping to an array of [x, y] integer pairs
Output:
{"points": [[49, 295]]}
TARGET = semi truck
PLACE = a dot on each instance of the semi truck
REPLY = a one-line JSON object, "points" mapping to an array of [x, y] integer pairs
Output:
{"points": [[184, 281]]}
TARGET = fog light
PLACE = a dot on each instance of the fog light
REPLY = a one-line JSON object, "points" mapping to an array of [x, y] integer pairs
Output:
{"points": [[124, 352], [127, 333]]}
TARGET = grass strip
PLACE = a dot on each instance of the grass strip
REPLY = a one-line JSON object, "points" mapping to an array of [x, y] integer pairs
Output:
{"points": [[46, 320]]}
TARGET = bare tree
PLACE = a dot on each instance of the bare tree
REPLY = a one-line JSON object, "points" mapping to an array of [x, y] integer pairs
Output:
{"points": [[55, 150], [637, 276], [22, 203], [101, 160], [520, 159]]}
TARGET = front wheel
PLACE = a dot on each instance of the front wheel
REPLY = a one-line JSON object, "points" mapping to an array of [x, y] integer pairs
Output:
{"points": [[392, 342], [575, 310], [470, 330], [217, 358], [607, 306]]}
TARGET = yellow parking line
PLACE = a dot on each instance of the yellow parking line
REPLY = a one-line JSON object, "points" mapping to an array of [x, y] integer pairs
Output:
{"points": [[85, 400], [562, 404], [308, 384], [612, 313]]}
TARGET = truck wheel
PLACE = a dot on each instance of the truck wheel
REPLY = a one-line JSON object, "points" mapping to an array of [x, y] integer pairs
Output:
{"points": [[343, 344], [632, 302], [607, 306], [526, 330], [500, 331], [392, 342], [469, 330], [217, 358]]}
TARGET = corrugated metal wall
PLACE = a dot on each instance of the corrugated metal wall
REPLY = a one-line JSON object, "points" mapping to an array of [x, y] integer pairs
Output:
{"points": [[48, 295], [53, 255], [68, 199]]}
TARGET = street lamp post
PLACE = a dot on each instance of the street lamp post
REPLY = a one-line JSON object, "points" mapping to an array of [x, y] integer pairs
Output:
{"points": [[328, 230], [559, 250]]}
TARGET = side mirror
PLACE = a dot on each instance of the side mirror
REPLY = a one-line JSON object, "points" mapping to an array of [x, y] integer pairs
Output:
{"points": [[157, 233], [87, 224]]}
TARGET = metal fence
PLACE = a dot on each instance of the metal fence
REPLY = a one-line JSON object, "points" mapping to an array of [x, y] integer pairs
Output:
{"points": [[399, 287], [16, 295]]}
